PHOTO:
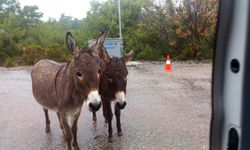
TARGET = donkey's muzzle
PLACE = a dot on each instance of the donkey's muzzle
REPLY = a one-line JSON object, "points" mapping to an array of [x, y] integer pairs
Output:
{"points": [[121, 106], [94, 108]]}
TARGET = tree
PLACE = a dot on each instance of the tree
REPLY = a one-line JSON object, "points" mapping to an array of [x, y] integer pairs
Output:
{"points": [[197, 21], [152, 28], [186, 30], [9, 8], [31, 16]]}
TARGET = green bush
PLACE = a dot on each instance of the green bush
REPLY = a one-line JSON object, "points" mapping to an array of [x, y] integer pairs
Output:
{"points": [[54, 52], [148, 54], [32, 54], [13, 62]]}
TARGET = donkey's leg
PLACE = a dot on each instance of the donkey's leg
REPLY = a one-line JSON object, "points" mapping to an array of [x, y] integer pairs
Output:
{"points": [[104, 112], [109, 118], [74, 131], [118, 123], [67, 130], [47, 128], [94, 116], [59, 119]]}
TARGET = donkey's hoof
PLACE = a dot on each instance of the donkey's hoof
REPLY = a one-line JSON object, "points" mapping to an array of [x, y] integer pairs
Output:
{"points": [[120, 133], [69, 148], [76, 146], [110, 140], [47, 129]]}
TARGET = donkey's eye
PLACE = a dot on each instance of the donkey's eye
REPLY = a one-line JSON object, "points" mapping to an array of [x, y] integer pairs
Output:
{"points": [[110, 78], [99, 71], [79, 75]]}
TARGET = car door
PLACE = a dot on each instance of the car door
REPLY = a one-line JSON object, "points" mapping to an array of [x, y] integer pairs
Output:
{"points": [[230, 123]]}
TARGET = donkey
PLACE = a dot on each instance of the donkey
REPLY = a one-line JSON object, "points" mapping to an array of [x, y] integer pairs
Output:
{"points": [[113, 88], [64, 87]]}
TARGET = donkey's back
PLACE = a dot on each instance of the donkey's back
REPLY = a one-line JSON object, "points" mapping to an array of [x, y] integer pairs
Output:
{"points": [[43, 76]]}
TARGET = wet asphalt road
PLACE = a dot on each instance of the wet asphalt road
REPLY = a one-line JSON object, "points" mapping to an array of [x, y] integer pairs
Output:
{"points": [[165, 111]]}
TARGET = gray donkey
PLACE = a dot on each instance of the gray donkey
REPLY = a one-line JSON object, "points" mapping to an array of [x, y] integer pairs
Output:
{"points": [[64, 87]]}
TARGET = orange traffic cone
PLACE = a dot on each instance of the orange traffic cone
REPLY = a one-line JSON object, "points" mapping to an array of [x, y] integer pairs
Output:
{"points": [[168, 64]]}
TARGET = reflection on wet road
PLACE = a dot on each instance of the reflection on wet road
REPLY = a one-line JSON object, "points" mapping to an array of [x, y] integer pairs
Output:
{"points": [[164, 111]]}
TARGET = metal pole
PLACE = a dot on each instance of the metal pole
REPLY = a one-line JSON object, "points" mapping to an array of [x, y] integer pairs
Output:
{"points": [[120, 23]]}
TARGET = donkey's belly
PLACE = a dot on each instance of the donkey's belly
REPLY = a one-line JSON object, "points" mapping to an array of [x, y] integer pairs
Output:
{"points": [[43, 76]]}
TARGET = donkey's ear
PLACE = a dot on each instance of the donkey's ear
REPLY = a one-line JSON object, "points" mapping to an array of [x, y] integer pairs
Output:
{"points": [[96, 49], [71, 44], [104, 55], [100, 40], [128, 57]]}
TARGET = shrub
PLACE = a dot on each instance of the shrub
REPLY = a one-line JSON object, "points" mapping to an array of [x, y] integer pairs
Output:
{"points": [[32, 54], [53, 52], [12, 61]]}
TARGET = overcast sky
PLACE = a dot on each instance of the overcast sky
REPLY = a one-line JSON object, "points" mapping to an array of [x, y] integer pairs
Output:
{"points": [[54, 8]]}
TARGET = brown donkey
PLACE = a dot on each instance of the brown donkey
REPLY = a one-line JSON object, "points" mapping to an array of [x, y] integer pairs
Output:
{"points": [[113, 88], [64, 87]]}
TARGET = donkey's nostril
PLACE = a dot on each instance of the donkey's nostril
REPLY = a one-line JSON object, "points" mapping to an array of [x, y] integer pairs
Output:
{"points": [[91, 107], [121, 106], [94, 107]]}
